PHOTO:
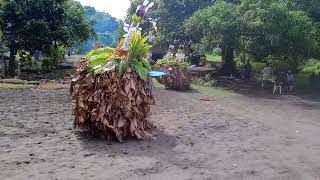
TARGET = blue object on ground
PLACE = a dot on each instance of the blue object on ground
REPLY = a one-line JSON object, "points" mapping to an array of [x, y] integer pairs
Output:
{"points": [[156, 73]]}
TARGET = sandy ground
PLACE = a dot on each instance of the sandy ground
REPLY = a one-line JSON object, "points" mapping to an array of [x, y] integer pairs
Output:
{"points": [[229, 138]]}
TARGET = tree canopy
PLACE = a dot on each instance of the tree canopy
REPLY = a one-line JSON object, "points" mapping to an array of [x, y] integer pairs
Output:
{"points": [[170, 16], [37, 24], [284, 32], [257, 28]]}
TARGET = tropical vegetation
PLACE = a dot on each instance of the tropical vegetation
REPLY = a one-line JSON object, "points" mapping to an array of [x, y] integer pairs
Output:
{"points": [[38, 25], [283, 33]]}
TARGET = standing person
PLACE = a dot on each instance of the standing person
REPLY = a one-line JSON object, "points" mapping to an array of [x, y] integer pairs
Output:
{"points": [[247, 70], [266, 74], [192, 57], [69, 52], [195, 58], [37, 55], [290, 79]]}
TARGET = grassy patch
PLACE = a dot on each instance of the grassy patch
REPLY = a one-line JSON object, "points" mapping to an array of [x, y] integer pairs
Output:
{"points": [[53, 86], [257, 67], [215, 59], [212, 91], [15, 86], [60, 74], [57, 74]]}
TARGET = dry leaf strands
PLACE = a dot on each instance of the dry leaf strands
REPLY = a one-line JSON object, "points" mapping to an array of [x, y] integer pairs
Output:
{"points": [[177, 78], [109, 106]]}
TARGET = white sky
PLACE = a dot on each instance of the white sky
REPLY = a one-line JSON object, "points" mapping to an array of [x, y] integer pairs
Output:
{"points": [[117, 8]]}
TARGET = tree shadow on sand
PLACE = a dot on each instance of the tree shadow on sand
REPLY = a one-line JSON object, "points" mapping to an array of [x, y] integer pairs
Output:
{"points": [[160, 148]]}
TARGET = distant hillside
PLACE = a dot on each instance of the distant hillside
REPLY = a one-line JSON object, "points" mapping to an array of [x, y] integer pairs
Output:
{"points": [[105, 26]]}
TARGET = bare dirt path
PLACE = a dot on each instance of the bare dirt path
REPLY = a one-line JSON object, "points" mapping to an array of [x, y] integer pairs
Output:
{"points": [[230, 138]]}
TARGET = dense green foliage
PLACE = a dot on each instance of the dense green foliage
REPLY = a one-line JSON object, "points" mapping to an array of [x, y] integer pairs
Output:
{"points": [[170, 16], [26, 60], [80, 27], [40, 25], [37, 24], [261, 30], [312, 66], [284, 33]]}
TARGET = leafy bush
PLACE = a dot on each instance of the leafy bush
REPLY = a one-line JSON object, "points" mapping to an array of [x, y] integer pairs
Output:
{"points": [[26, 60], [289, 63], [47, 64], [216, 51], [312, 66], [56, 54]]}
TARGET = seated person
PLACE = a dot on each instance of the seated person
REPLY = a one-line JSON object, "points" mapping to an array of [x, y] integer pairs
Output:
{"points": [[266, 74], [203, 60]]}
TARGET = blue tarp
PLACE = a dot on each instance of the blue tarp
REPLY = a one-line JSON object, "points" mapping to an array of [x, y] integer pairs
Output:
{"points": [[156, 73]]}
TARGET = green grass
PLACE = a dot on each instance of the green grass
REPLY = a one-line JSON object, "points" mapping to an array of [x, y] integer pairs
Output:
{"points": [[212, 91], [215, 59], [209, 91], [15, 86]]}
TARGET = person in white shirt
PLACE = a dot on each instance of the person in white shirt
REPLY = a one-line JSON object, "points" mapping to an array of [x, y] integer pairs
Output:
{"points": [[180, 56], [169, 55]]}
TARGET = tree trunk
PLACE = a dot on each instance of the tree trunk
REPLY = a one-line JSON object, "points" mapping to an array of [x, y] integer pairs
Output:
{"points": [[228, 65], [12, 64]]}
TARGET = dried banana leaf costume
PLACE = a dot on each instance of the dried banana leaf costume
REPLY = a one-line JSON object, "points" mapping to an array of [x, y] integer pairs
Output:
{"points": [[109, 91]]}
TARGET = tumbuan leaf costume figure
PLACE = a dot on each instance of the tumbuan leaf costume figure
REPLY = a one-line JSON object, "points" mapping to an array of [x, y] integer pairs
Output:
{"points": [[109, 91]]}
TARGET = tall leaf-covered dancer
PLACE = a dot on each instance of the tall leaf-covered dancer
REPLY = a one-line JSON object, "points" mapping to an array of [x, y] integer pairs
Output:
{"points": [[110, 92]]}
